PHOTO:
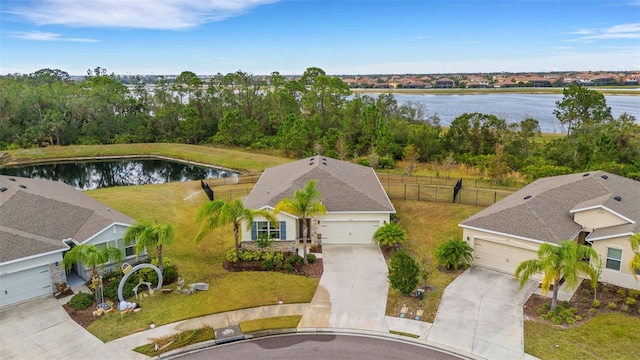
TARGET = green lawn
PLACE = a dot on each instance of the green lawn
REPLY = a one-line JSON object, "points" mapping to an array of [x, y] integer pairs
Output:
{"points": [[607, 336], [428, 225], [227, 158], [177, 203]]}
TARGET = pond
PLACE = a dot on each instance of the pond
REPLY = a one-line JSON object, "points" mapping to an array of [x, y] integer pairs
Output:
{"points": [[91, 175]]}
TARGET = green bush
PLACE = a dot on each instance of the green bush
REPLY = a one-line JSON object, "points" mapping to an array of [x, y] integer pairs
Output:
{"points": [[454, 254], [630, 301], [169, 275], [621, 293], [624, 308], [288, 267], [596, 303], [578, 318], [81, 301], [634, 294], [557, 320], [570, 320], [311, 258], [403, 272], [592, 311], [111, 288], [612, 305], [293, 259], [267, 265], [231, 256], [263, 242]]}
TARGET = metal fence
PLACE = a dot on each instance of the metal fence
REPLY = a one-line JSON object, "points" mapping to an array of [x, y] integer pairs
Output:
{"points": [[420, 188]]}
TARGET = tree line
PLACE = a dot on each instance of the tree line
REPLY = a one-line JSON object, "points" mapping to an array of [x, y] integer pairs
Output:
{"points": [[315, 113]]}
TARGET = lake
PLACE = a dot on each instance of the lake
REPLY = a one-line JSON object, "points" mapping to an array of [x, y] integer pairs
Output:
{"points": [[102, 174], [511, 107]]}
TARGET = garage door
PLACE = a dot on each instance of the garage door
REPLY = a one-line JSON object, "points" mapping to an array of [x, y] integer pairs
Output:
{"points": [[25, 285], [500, 256], [348, 232]]}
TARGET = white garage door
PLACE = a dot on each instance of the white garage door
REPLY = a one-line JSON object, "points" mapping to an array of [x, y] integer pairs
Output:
{"points": [[500, 256], [24, 285], [348, 232]]}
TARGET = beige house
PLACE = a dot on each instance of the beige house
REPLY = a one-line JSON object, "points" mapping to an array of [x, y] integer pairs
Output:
{"points": [[39, 221], [598, 209], [355, 200]]}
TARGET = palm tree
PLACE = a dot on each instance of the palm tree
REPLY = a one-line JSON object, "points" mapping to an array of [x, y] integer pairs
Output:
{"points": [[305, 204], [91, 256], [566, 261], [454, 253], [389, 234], [148, 235], [634, 265], [218, 213]]}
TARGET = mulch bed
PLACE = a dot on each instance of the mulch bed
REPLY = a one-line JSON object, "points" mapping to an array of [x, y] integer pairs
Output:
{"points": [[582, 300], [312, 270], [83, 317]]}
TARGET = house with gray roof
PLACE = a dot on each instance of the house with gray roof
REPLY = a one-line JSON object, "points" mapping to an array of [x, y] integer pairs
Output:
{"points": [[355, 200], [39, 221], [596, 208]]}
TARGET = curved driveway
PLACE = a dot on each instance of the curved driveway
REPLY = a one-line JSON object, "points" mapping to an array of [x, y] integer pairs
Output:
{"points": [[352, 293]]}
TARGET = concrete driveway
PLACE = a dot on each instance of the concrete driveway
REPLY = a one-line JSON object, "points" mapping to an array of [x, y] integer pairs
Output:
{"points": [[352, 293], [481, 313], [41, 329]]}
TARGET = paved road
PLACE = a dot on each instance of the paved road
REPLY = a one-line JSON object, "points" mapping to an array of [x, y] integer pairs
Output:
{"points": [[318, 346]]}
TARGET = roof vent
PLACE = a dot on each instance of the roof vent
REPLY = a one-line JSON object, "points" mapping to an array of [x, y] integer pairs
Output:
{"points": [[617, 198], [3, 189], [12, 179], [527, 197], [22, 186], [587, 174], [605, 177]]}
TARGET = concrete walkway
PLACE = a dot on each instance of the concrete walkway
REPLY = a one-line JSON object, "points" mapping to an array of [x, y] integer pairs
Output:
{"points": [[352, 293], [481, 313]]}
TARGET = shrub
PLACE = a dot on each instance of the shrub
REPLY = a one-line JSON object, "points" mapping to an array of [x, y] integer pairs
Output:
{"points": [[289, 267], [612, 305], [169, 275], [578, 318], [621, 293], [570, 320], [557, 320], [111, 288], [389, 234], [634, 294], [630, 301], [267, 265], [453, 254], [311, 258], [624, 308], [81, 301], [294, 259], [596, 303], [403, 272], [231, 256], [546, 306], [540, 311], [592, 311], [263, 242]]}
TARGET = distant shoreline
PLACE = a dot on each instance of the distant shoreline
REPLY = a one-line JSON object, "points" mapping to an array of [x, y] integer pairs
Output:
{"points": [[635, 91]]}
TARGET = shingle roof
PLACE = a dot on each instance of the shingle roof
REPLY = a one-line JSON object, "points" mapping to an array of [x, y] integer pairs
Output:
{"points": [[344, 186], [547, 214], [36, 215]]}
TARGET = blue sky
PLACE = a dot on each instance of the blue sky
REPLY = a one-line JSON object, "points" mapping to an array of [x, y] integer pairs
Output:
{"points": [[341, 37]]}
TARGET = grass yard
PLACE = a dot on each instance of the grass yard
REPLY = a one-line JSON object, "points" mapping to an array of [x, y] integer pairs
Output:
{"points": [[428, 225], [177, 203], [606, 336], [223, 157]]}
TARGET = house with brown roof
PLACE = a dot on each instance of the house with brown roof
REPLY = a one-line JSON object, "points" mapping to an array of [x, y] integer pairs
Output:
{"points": [[356, 202], [596, 209], [39, 221]]}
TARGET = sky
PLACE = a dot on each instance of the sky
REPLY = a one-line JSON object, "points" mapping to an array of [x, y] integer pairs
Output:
{"points": [[355, 37]]}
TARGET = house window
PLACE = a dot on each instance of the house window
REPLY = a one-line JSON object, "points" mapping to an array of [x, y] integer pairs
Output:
{"points": [[266, 229], [614, 258], [130, 249]]}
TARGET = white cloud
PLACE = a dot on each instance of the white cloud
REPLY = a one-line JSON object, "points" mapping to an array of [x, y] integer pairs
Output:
{"points": [[144, 14], [46, 36], [623, 31], [583, 32]]}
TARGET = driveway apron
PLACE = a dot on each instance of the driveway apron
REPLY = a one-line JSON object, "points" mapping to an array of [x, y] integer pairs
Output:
{"points": [[352, 293], [41, 329], [481, 313]]}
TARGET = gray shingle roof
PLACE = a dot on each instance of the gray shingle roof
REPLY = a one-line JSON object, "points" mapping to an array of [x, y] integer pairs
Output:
{"points": [[547, 214], [36, 215], [344, 186]]}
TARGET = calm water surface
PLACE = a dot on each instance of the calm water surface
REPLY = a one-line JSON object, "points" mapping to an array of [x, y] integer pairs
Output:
{"points": [[103, 174], [511, 107]]}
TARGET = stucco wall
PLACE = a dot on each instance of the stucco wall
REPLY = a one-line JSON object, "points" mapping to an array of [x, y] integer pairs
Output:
{"points": [[623, 277], [596, 219]]}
